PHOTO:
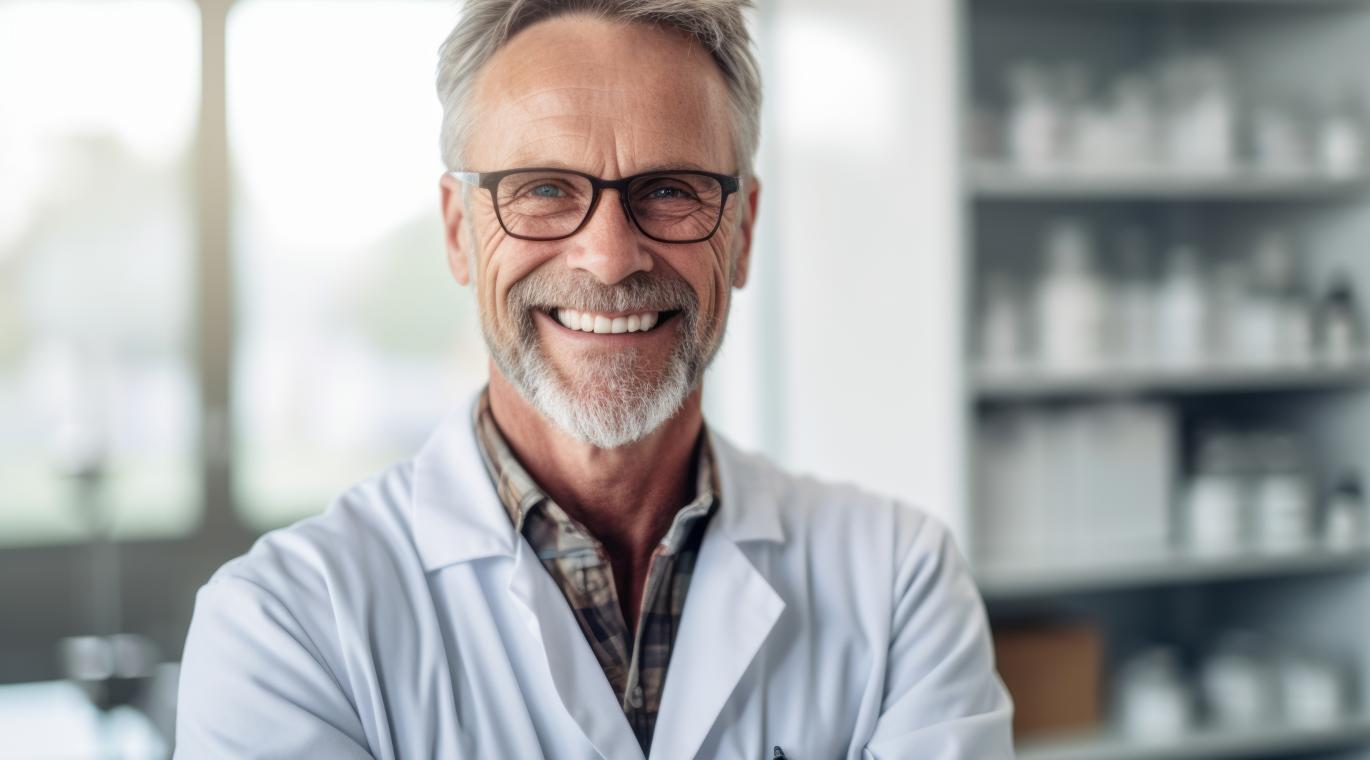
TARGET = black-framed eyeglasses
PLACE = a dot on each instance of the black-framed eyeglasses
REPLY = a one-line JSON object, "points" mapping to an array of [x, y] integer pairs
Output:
{"points": [[682, 206]]}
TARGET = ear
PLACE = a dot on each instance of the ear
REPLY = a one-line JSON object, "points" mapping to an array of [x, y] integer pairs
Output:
{"points": [[454, 221], [751, 197]]}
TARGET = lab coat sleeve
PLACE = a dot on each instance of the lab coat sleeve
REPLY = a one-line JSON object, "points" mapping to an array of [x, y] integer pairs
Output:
{"points": [[943, 699], [254, 685]]}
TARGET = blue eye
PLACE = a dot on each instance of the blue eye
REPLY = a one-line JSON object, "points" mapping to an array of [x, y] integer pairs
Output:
{"points": [[667, 192], [547, 191]]}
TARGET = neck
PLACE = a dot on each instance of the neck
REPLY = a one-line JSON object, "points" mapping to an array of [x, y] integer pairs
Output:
{"points": [[627, 496]]}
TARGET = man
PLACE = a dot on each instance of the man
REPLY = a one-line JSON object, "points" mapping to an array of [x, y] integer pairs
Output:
{"points": [[574, 565]]}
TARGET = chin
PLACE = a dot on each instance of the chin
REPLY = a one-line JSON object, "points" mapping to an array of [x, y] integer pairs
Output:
{"points": [[610, 404]]}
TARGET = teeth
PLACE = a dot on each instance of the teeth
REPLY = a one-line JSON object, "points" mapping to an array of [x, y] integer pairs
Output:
{"points": [[595, 323]]}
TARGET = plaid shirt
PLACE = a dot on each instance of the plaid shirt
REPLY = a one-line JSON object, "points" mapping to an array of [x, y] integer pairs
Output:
{"points": [[634, 665]]}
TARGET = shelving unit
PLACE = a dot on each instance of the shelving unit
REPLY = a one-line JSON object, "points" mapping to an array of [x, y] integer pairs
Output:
{"points": [[1001, 183], [1314, 599], [1025, 385], [1277, 741], [1026, 581]]}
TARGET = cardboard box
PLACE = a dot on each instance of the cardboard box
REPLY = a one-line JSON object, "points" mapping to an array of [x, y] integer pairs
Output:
{"points": [[1054, 673]]}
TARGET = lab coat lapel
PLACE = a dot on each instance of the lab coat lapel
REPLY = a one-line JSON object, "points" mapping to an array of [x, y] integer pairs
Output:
{"points": [[730, 609], [579, 680]]}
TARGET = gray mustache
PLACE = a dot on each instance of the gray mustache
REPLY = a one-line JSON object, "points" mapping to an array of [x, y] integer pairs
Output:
{"points": [[640, 291]]}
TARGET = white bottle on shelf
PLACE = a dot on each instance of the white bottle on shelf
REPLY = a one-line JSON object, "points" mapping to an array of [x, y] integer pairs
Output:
{"points": [[1341, 139], [1282, 323], [1033, 122], [1270, 266], [1314, 690], [1000, 328], [1239, 686], [1155, 703], [1200, 132], [1070, 300], [1213, 507], [1281, 496], [1339, 325], [1346, 526], [1181, 310]]}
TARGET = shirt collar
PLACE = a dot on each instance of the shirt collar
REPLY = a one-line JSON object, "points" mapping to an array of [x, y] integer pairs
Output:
{"points": [[520, 494], [456, 515]]}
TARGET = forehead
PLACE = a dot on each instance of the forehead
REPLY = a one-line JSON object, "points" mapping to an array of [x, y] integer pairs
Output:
{"points": [[602, 96]]}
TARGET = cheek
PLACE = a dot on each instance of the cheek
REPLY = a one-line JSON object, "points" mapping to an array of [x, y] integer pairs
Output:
{"points": [[720, 273], [507, 262]]}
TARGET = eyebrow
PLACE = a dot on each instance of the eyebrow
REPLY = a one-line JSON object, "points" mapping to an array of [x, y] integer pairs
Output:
{"points": [[663, 166]]}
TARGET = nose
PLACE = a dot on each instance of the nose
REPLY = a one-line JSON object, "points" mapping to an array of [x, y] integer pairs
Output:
{"points": [[609, 246]]}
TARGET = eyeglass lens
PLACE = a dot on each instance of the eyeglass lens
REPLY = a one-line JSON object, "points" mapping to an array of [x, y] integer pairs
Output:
{"points": [[677, 207]]}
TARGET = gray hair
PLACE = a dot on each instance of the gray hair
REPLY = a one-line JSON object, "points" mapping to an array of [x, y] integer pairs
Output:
{"points": [[720, 26]]}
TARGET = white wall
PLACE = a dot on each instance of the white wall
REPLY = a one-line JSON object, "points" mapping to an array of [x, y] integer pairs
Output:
{"points": [[843, 357]]}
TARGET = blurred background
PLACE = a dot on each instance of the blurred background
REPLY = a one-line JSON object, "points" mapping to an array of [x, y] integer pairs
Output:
{"points": [[1083, 278]]}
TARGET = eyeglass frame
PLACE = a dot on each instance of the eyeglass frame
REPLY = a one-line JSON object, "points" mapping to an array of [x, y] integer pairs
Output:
{"points": [[490, 181]]}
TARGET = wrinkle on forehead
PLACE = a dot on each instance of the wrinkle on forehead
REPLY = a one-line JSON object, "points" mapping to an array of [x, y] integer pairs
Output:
{"points": [[601, 95]]}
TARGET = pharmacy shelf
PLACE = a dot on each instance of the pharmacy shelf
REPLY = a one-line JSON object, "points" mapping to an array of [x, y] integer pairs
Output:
{"points": [[994, 182], [1027, 385], [1021, 581], [1209, 744]]}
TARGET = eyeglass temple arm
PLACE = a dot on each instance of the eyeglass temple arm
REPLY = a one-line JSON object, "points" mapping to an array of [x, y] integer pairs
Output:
{"points": [[470, 178]]}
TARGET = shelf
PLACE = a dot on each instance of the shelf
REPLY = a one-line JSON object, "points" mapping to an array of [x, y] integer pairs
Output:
{"points": [[1005, 582], [999, 182], [1124, 382], [1211, 744]]}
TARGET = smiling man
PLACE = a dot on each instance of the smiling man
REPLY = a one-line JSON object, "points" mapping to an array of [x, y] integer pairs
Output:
{"points": [[575, 565]]}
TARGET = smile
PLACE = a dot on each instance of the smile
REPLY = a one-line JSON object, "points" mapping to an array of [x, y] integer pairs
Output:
{"points": [[609, 324]]}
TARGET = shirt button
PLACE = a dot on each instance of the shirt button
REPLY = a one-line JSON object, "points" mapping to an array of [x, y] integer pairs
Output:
{"points": [[635, 697]]}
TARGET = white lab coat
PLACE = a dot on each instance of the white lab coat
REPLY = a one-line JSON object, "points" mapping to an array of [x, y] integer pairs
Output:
{"points": [[411, 621]]}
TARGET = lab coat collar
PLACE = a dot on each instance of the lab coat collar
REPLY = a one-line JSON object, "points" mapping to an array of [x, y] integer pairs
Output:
{"points": [[457, 516]]}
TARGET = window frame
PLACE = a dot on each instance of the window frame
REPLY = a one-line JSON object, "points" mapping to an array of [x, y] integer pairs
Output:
{"points": [[45, 590]]}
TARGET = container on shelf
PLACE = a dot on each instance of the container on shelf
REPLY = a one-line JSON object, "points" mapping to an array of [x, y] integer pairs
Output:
{"points": [[1070, 300], [1213, 509], [1281, 495], [1345, 523], [1240, 689], [1155, 703]]}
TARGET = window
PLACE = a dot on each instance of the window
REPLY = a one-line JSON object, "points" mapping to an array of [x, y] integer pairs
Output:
{"points": [[98, 399], [352, 338]]}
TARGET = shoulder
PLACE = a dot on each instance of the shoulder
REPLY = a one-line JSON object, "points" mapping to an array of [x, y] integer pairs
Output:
{"points": [[812, 505], [841, 521], [355, 548]]}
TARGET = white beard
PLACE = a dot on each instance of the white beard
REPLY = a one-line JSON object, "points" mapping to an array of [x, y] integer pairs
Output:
{"points": [[609, 401]]}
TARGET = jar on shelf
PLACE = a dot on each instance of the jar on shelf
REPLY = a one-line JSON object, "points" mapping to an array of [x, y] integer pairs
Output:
{"points": [[1339, 327], [1341, 138], [1032, 122], [1155, 702], [1313, 690], [1279, 326], [1239, 688], [1281, 496], [1213, 506], [1000, 341], [1345, 523], [1181, 310], [1070, 300]]}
